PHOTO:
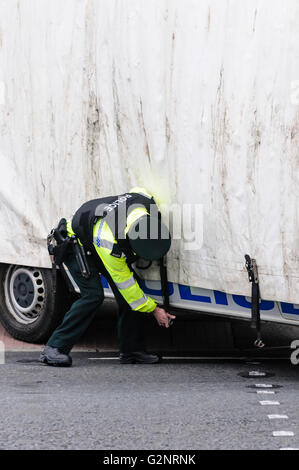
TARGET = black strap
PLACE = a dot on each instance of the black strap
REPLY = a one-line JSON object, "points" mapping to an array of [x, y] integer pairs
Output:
{"points": [[54, 277], [164, 283], [255, 306], [255, 299]]}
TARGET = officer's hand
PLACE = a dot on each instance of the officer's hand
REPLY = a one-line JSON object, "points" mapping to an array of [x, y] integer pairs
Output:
{"points": [[162, 317]]}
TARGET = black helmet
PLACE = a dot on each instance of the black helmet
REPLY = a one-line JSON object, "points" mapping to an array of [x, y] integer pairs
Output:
{"points": [[149, 238]]}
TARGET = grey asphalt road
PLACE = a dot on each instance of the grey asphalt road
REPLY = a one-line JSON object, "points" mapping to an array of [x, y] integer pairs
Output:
{"points": [[178, 404]]}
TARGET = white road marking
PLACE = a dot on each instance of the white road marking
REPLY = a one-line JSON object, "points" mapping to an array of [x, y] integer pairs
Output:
{"points": [[289, 448], [263, 385], [282, 433], [269, 402], [169, 358], [265, 392], [103, 358], [195, 357], [256, 373], [278, 417]]}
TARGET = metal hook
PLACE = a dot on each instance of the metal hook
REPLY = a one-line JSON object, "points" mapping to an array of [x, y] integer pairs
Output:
{"points": [[259, 343]]}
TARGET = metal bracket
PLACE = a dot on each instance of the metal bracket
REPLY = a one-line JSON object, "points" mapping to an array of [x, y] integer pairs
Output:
{"points": [[252, 270], [259, 343]]}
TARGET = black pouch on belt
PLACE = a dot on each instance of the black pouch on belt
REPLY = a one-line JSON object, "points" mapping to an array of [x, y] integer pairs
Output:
{"points": [[63, 243]]}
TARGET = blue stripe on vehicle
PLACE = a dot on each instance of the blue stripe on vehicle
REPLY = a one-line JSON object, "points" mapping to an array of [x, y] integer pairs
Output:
{"points": [[104, 282], [243, 302], [291, 309], [185, 293], [157, 292], [220, 298]]}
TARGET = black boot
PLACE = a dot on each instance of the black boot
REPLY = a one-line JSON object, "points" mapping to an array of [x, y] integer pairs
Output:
{"points": [[55, 357], [139, 357]]}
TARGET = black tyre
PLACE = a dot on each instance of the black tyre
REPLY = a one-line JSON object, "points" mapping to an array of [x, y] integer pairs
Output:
{"points": [[29, 308]]}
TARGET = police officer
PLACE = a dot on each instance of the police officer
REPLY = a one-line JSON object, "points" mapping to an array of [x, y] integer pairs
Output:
{"points": [[114, 231]]}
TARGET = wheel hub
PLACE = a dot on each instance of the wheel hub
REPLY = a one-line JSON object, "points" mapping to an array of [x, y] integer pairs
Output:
{"points": [[24, 293], [23, 289]]}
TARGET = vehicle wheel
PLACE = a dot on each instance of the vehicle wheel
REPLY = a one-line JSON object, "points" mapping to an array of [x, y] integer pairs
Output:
{"points": [[29, 308]]}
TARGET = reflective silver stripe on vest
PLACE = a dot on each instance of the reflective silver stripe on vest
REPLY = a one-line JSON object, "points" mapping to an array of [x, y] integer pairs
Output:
{"points": [[138, 302], [100, 227], [125, 284], [100, 243]]}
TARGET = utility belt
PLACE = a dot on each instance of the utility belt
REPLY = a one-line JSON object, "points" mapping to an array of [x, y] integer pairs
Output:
{"points": [[60, 245]]}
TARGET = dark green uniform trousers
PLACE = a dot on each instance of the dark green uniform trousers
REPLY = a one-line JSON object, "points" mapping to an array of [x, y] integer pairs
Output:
{"points": [[131, 332]]}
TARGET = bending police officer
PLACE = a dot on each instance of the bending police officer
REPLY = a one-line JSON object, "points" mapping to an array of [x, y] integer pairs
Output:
{"points": [[114, 231]]}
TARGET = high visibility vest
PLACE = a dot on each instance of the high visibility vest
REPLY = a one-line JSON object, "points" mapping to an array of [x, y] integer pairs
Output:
{"points": [[92, 223], [115, 210]]}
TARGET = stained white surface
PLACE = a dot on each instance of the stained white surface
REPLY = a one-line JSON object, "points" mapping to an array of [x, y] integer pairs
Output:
{"points": [[194, 100]]}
